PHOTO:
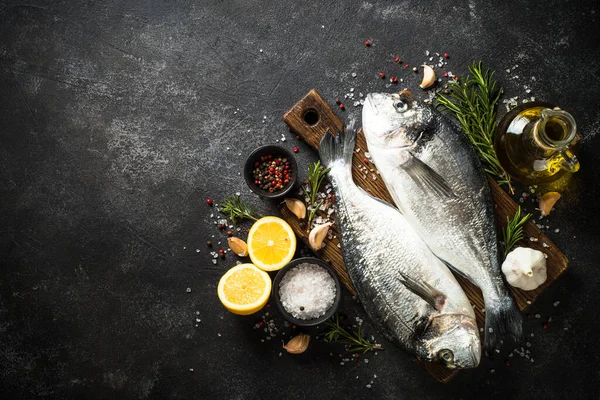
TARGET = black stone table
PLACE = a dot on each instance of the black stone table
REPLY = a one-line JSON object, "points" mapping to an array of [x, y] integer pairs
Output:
{"points": [[119, 119]]}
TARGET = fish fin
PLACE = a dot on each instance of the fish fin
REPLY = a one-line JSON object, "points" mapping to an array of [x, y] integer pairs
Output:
{"points": [[425, 291], [426, 178], [458, 272], [502, 319], [340, 147]]}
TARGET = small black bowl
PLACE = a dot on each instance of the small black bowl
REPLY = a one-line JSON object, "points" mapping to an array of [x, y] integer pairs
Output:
{"points": [[275, 151], [328, 313]]}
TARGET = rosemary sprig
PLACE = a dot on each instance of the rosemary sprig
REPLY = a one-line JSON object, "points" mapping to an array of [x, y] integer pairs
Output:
{"points": [[514, 230], [353, 340], [316, 174], [237, 209], [473, 102]]}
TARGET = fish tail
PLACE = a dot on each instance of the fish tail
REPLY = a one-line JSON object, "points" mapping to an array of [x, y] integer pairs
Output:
{"points": [[503, 319], [340, 148]]}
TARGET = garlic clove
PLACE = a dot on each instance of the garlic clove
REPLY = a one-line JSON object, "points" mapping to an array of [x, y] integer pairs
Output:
{"points": [[297, 207], [547, 201], [317, 236], [238, 246], [428, 77], [298, 344]]}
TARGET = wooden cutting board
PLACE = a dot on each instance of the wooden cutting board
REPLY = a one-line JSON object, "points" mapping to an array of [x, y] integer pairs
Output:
{"points": [[312, 116]]}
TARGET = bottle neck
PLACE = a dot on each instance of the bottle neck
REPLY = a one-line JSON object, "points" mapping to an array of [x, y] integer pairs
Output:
{"points": [[554, 130]]}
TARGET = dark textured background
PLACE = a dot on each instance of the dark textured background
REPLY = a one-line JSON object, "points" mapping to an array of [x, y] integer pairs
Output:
{"points": [[118, 119]]}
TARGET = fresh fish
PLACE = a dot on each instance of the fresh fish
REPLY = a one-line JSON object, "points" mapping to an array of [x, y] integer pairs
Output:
{"points": [[436, 180], [407, 291]]}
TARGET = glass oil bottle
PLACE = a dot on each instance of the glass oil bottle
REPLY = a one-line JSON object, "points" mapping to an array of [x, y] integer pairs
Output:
{"points": [[536, 143]]}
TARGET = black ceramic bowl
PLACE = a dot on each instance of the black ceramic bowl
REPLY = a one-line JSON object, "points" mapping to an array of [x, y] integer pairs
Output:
{"points": [[328, 313], [274, 151]]}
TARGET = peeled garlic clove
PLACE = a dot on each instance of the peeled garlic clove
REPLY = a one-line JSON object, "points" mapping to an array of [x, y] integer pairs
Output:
{"points": [[547, 201], [428, 77], [317, 236], [238, 246], [297, 207], [298, 344], [525, 268]]}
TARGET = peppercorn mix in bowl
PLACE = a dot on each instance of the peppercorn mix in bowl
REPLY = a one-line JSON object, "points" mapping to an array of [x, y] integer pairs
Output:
{"points": [[271, 171]]}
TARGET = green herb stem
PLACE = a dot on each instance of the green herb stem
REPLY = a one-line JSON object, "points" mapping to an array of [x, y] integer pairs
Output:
{"points": [[316, 174], [514, 230], [353, 340], [237, 209], [473, 102]]}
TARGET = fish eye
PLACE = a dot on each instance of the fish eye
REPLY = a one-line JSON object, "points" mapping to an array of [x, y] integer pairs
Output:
{"points": [[446, 355], [401, 106]]}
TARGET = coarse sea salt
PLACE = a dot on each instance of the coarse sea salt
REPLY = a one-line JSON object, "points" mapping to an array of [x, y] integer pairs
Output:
{"points": [[307, 291]]}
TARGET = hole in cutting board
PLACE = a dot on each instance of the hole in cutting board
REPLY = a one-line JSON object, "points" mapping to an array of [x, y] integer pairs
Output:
{"points": [[311, 116]]}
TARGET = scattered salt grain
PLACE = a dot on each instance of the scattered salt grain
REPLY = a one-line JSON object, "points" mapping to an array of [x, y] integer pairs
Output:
{"points": [[307, 291], [189, 290], [556, 303]]}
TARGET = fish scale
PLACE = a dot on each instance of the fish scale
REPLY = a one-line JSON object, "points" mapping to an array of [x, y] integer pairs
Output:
{"points": [[384, 256], [436, 180]]}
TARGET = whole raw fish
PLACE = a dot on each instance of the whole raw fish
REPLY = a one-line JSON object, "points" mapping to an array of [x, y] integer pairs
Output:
{"points": [[407, 292], [436, 180]]}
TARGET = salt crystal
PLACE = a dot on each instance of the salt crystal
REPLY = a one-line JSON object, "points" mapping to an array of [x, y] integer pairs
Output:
{"points": [[538, 316], [307, 291], [354, 74], [191, 369], [197, 250], [366, 360], [556, 303], [491, 330], [218, 334], [557, 230], [214, 261], [189, 290]]}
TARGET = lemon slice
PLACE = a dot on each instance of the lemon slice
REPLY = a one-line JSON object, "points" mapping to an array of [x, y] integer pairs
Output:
{"points": [[244, 289], [271, 243]]}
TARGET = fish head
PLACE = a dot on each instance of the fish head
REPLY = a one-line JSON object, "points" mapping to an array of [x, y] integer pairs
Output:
{"points": [[394, 120], [453, 341]]}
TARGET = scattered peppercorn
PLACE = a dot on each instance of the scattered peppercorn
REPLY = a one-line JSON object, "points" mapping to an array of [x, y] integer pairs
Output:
{"points": [[445, 73], [456, 78], [222, 226], [229, 233], [367, 43], [406, 65], [272, 173], [365, 160], [209, 202], [338, 101], [297, 137], [397, 59], [342, 106], [393, 79], [209, 243], [446, 55], [381, 75], [296, 149]]}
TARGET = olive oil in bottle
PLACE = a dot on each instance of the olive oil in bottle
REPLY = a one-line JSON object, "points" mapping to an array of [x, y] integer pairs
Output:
{"points": [[536, 143]]}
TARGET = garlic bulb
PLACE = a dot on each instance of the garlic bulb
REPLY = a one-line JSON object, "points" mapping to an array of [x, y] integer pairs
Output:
{"points": [[525, 268]]}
